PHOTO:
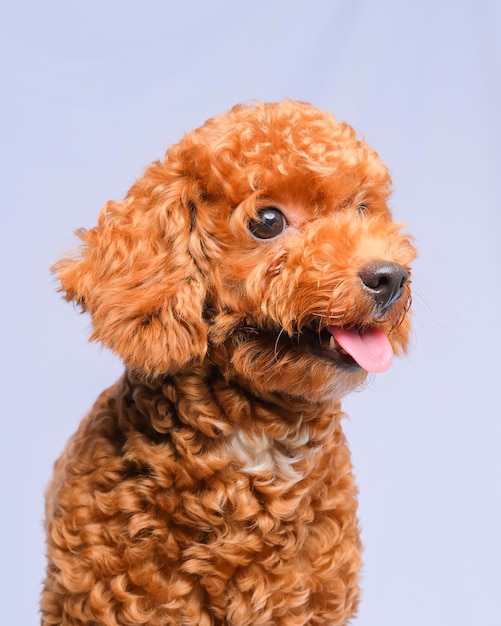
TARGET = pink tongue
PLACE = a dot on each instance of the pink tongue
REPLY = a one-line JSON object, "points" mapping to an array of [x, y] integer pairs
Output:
{"points": [[371, 349]]}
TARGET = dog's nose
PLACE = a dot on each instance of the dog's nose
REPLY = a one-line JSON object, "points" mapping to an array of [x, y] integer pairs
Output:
{"points": [[384, 280]]}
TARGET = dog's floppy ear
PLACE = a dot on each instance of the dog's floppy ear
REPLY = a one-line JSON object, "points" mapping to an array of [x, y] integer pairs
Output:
{"points": [[137, 278]]}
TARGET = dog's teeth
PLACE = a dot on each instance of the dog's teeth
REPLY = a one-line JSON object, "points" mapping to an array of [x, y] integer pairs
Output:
{"points": [[332, 343]]}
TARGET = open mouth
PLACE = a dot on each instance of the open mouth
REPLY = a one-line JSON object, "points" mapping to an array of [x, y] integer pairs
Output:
{"points": [[352, 348]]}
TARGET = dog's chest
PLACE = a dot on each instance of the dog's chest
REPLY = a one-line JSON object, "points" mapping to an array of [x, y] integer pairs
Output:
{"points": [[261, 454]]}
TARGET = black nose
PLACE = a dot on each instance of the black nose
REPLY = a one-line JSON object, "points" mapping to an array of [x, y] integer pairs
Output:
{"points": [[385, 281]]}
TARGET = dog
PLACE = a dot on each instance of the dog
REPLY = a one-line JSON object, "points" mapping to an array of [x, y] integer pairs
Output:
{"points": [[248, 281]]}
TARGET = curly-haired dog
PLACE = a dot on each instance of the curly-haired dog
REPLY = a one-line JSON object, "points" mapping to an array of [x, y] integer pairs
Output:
{"points": [[248, 281]]}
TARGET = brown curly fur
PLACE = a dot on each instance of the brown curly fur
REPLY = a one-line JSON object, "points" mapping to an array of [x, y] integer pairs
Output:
{"points": [[212, 485]]}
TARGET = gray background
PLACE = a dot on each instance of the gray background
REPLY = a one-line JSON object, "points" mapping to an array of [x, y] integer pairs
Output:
{"points": [[93, 91]]}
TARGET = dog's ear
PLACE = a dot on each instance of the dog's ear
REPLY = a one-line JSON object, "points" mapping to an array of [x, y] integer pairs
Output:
{"points": [[138, 279]]}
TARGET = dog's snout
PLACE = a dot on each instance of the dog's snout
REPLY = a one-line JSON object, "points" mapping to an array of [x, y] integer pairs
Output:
{"points": [[384, 280]]}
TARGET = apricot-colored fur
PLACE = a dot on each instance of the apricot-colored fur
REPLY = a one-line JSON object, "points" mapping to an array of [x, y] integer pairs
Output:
{"points": [[212, 485]]}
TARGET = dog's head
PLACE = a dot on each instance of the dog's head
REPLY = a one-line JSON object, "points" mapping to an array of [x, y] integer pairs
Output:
{"points": [[264, 241]]}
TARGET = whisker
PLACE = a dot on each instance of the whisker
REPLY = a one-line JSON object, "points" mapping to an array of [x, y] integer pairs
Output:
{"points": [[276, 343]]}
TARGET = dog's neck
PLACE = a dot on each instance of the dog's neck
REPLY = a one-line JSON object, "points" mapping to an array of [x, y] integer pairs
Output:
{"points": [[278, 435], [207, 398]]}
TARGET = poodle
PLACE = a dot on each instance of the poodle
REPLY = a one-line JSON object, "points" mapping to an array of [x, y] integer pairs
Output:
{"points": [[249, 280]]}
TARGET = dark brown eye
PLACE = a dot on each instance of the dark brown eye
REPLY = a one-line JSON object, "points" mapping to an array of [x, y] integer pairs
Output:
{"points": [[361, 208], [269, 223]]}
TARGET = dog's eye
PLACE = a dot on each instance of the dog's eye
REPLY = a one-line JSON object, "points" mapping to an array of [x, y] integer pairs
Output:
{"points": [[361, 208], [269, 223]]}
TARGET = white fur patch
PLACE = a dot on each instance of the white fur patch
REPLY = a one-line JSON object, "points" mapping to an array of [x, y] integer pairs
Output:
{"points": [[260, 453]]}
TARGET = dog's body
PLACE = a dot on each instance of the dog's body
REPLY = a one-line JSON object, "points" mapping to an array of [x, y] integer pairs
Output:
{"points": [[248, 281]]}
